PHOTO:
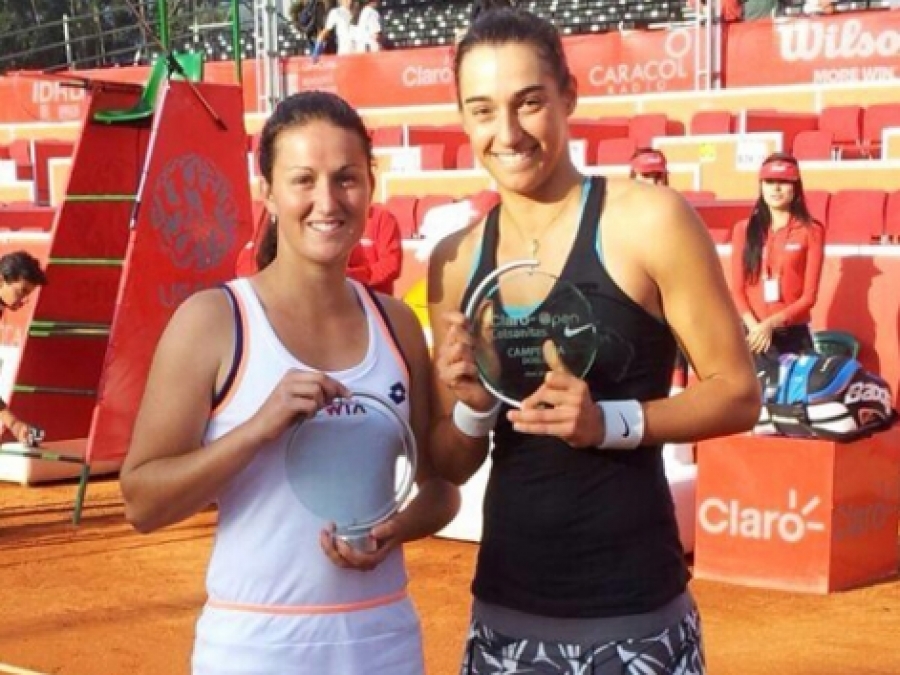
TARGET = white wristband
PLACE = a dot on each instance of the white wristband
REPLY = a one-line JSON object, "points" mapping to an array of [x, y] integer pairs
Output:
{"points": [[475, 423], [623, 422]]}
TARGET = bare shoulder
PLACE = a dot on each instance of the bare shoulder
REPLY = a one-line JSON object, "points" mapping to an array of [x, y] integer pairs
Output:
{"points": [[405, 324], [207, 316]]}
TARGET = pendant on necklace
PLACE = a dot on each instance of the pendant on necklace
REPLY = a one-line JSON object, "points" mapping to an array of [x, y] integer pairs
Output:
{"points": [[534, 248]]}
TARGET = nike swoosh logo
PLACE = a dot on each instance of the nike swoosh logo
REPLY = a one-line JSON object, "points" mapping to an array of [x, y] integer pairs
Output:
{"points": [[627, 432], [572, 332]]}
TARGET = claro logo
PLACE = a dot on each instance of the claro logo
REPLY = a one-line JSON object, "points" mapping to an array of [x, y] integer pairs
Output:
{"points": [[814, 41], [420, 76], [718, 516]]}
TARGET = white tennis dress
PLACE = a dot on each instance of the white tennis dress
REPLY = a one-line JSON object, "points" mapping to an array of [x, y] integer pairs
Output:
{"points": [[277, 605]]}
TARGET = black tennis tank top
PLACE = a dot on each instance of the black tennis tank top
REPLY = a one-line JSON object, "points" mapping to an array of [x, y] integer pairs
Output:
{"points": [[581, 533]]}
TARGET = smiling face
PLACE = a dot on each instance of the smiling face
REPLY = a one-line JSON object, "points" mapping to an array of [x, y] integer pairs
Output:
{"points": [[320, 191], [515, 115], [778, 194]]}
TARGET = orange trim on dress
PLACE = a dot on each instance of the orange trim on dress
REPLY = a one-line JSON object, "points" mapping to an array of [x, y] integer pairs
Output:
{"points": [[244, 358], [289, 610]]}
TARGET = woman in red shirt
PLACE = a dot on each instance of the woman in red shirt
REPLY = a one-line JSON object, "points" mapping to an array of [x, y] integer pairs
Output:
{"points": [[776, 262]]}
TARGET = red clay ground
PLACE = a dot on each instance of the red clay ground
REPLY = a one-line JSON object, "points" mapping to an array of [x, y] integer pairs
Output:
{"points": [[102, 600]]}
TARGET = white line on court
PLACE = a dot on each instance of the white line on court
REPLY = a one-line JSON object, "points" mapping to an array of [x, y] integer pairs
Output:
{"points": [[14, 670]]}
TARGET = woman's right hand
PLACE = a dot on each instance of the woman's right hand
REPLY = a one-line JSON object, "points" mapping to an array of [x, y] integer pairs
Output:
{"points": [[456, 367], [298, 396]]}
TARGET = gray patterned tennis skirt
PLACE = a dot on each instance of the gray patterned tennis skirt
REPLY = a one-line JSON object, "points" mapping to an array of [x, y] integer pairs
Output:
{"points": [[677, 650]]}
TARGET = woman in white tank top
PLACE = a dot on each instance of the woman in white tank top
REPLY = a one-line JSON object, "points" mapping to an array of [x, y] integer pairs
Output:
{"points": [[285, 595]]}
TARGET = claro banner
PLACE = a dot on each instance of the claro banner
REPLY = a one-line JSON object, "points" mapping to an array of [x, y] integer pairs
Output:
{"points": [[613, 63], [863, 47]]}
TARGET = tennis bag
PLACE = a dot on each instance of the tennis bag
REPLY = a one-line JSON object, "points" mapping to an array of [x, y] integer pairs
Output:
{"points": [[817, 396]]}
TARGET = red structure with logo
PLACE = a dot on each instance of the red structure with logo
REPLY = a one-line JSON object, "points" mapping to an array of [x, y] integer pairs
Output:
{"points": [[798, 515]]}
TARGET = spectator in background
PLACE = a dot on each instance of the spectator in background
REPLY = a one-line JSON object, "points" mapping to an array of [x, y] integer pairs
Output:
{"points": [[759, 9], [368, 28], [649, 166], [378, 258], [340, 22], [818, 7], [731, 9], [20, 275], [777, 262], [442, 221], [479, 6]]}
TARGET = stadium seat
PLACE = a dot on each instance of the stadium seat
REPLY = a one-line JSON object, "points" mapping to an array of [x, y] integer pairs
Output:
{"points": [[892, 218], [817, 203], [696, 196], [432, 156], [465, 158], [856, 217], [20, 153], [404, 209], [836, 343], [191, 65], [615, 151], [813, 145], [387, 137], [644, 127], [708, 122], [845, 123], [876, 119]]}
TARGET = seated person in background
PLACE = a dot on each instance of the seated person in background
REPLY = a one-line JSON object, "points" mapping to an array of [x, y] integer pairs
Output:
{"points": [[20, 274], [776, 262], [649, 166], [377, 259]]}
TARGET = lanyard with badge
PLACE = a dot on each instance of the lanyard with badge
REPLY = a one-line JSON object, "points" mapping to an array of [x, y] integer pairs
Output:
{"points": [[772, 279]]}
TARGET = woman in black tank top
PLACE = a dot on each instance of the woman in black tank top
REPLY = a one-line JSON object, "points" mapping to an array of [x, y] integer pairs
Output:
{"points": [[580, 561]]}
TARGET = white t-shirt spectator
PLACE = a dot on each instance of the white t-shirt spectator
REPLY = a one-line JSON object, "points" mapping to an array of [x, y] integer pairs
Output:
{"points": [[339, 20], [369, 27]]}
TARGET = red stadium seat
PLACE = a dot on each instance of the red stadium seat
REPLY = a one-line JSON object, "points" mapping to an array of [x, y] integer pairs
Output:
{"points": [[20, 152], [712, 122], [845, 122], [432, 156], [698, 196], [813, 145], [387, 137], [615, 151], [892, 218], [856, 217], [643, 128], [465, 158], [404, 209], [817, 203], [876, 119]]}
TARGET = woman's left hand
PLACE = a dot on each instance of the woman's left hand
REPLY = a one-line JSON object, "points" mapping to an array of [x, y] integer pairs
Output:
{"points": [[760, 338], [386, 536], [561, 407]]}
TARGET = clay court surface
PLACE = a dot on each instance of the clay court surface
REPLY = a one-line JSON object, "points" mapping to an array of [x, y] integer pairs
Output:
{"points": [[102, 600]]}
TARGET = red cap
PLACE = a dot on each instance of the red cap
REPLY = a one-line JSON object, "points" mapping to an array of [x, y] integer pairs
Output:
{"points": [[779, 169], [649, 162]]}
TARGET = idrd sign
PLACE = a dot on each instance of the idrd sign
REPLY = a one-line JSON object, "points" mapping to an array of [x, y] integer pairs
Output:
{"points": [[732, 518]]}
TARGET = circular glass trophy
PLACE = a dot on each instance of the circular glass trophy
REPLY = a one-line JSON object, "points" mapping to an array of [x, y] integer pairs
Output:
{"points": [[519, 316], [353, 464]]}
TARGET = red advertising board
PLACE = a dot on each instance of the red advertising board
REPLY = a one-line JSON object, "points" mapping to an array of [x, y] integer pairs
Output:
{"points": [[613, 63], [861, 47], [632, 62]]}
